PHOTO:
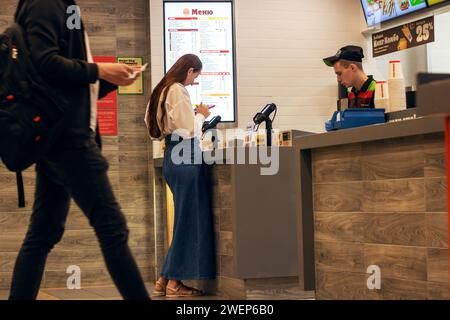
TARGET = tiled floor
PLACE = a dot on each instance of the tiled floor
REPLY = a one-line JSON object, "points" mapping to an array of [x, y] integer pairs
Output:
{"points": [[111, 293]]}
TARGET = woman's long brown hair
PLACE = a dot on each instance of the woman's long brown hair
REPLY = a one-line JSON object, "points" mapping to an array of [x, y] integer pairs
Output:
{"points": [[177, 73]]}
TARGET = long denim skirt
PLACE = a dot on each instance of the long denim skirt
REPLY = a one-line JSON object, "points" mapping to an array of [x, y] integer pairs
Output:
{"points": [[191, 254]]}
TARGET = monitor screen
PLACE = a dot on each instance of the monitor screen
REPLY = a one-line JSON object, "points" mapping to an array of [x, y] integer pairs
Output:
{"points": [[205, 29], [424, 78], [377, 11]]}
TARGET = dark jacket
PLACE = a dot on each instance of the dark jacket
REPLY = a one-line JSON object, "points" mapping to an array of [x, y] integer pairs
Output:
{"points": [[59, 55]]}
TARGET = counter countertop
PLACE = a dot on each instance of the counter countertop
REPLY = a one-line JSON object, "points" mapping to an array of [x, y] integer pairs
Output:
{"points": [[405, 128]]}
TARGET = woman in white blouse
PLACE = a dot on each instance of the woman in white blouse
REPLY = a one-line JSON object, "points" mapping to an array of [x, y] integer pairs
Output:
{"points": [[170, 116]]}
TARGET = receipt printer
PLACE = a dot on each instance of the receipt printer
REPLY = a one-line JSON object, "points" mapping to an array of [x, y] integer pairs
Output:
{"points": [[355, 117]]}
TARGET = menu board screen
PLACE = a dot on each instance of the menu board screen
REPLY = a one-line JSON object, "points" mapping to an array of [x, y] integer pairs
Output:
{"points": [[204, 29], [377, 11]]}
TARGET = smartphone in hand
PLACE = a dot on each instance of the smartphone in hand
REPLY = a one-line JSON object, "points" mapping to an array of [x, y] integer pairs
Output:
{"points": [[135, 74], [209, 107]]}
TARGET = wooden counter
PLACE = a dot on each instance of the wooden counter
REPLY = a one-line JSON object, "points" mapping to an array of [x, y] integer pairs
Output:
{"points": [[377, 195], [255, 226]]}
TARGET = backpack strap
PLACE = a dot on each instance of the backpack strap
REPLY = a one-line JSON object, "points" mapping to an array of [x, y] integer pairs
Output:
{"points": [[18, 10], [20, 189]]}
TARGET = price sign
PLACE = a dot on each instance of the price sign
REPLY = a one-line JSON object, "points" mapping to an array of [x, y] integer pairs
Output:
{"points": [[403, 37]]}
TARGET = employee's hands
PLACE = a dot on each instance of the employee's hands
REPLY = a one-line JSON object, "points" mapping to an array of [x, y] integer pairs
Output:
{"points": [[117, 73], [203, 109]]}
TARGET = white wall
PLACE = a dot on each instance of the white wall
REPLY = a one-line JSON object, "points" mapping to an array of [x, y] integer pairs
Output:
{"points": [[439, 51], [280, 45], [414, 60]]}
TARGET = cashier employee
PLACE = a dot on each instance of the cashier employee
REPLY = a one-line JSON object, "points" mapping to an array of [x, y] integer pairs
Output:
{"points": [[347, 64]]}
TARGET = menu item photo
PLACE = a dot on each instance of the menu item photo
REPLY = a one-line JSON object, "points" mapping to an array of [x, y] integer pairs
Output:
{"points": [[407, 32], [388, 8], [402, 44], [372, 10], [403, 4], [403, 7]]}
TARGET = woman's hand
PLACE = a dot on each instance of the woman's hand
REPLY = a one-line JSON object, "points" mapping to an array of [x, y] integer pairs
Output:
{"points": [[204, 110]]}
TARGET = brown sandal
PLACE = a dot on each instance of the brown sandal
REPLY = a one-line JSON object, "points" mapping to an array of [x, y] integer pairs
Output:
{"points": [[182, 291], [160, 289]]}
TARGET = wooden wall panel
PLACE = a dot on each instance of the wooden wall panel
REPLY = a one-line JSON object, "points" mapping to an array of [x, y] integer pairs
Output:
{"points": [[408, 164], [438, 291], [437, 230], [434, 156], [395, 228], [438, 265], [338, 197], [339, 256], [337, 170], [397, 262], [116, 28], [331, 285], [436, 194], [400, 289], [343, 226], [394, 195]]}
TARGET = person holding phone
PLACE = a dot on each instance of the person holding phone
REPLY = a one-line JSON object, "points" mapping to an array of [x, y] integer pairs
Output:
{"points": [[170, 116], [74, 168]]}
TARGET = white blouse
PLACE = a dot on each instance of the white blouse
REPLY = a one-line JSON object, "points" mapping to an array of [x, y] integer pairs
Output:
{"points": [[180, 117]]}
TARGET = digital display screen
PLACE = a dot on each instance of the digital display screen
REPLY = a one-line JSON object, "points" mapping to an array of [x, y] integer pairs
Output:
{"points": [[377, 11], [204, 29]]}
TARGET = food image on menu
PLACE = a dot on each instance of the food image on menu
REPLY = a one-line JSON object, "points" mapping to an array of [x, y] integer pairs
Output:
{"points": [[407, 32], [407, 6], [402, 44], [388, 7], [372, 10], [403, 4], [417, 2]]}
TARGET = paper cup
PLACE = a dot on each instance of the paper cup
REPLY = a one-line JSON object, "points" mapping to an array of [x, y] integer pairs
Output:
{"points": [[382, 104], [381, 90], [397, 95], [395, 70]]}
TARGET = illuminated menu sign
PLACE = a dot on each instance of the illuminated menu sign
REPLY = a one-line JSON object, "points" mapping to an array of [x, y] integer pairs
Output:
{"points": [[377, 11], [204, 29]]}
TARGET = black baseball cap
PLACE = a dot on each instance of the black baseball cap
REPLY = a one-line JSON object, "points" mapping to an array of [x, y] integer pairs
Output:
{"points": [[351, 53]]}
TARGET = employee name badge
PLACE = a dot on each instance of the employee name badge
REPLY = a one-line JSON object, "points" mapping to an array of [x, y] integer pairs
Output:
{"points": [[338, 116]]}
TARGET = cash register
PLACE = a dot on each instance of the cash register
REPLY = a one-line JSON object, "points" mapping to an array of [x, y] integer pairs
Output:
{"points": [[355, 117]]}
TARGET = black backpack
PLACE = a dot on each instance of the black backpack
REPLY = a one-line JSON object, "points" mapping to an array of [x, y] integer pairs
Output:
{"points": [[31, 111]]}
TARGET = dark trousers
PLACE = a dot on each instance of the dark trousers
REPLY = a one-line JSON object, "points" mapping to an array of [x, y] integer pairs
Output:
{"points": [[79, 173]]}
